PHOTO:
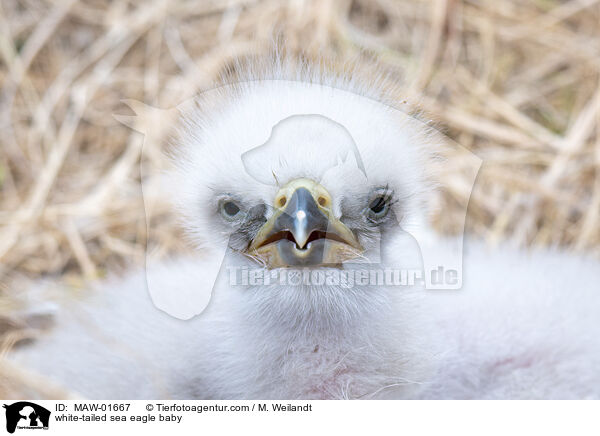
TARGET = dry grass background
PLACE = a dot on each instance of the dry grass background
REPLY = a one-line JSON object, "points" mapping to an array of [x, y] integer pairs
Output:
{"points": [[517, 82]]}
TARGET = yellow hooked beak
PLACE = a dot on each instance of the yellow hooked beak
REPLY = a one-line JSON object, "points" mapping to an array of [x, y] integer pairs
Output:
{"points": [[303, 230]]}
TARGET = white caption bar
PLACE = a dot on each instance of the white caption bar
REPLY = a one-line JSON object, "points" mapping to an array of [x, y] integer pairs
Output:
{"points": [[302, 417]]}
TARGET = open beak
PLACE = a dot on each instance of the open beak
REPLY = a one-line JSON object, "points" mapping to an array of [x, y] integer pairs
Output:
{"points": [[303, 230]]}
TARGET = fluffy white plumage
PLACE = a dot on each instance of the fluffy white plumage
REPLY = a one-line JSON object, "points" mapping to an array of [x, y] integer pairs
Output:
{"points": [[523, 326]]}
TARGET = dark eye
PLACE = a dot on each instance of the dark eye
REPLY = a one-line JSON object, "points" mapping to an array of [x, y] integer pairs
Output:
{"points": [[379, 205], [229, 209]]}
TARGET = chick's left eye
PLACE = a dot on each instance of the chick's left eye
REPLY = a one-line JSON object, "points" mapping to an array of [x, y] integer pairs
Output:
{"points": [[378, 205]]}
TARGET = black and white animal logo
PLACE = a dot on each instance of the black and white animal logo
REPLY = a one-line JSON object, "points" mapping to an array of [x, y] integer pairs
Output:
{"points": [[26, 415]]}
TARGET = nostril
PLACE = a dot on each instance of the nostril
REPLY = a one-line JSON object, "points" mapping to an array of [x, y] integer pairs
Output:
{"points": [[322, 201], [282, 201]]}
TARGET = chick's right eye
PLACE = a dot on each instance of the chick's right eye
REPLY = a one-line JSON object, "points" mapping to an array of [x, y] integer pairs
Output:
{"points": [[229, 209]]}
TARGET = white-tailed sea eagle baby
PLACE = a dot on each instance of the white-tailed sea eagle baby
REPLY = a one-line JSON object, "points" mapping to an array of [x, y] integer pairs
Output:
{"points": [[312, 174]]}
